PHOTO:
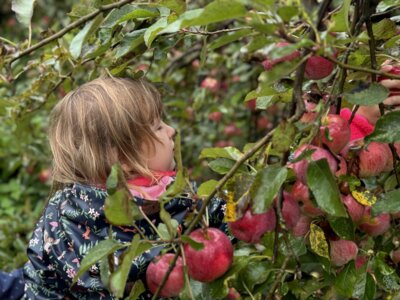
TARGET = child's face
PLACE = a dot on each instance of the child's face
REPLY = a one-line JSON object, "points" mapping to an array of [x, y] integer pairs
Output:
{"points": [[162, 159]]}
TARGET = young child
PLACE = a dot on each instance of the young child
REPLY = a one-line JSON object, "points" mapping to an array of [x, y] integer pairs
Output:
{"points": [[101, 123]]}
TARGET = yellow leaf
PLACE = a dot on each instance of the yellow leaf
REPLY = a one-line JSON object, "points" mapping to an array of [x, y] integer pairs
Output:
{"points": [[230, 214], [318, 241], [364, 198]]}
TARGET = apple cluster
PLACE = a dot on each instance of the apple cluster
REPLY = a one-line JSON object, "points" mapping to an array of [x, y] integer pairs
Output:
{"points": [[345, 158], [204, 265]]}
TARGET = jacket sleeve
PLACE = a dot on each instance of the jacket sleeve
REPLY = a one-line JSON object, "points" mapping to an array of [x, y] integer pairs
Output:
{"points": [[37, 274]]}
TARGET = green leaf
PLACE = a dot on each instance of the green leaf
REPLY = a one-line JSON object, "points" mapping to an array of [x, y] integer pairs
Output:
{"points": [[374, 94], [101, 250], [118, 208], [227, 152], [23, 10], [324, 188], [365, 287], [256, 272], [120, 276], [345, 281], [343, 227], [152, 31], [77, 42], [389, 203], [283, 137], [126, 13], [137, 289], [178, 6], [384, 29], [216, 11], [206, 188], [387, 129], [195, 245], [171, 224], [265, 187], [130, 41], [223, 165], [287, 12], [385, 4], [340, 19], [318, 242], [229, 38]]}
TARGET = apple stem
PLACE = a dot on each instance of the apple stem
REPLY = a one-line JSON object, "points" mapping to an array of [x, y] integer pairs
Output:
{"points": [[185, 270]]}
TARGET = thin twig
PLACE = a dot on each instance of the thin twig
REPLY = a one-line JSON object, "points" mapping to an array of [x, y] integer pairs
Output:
{"points": [[278, 278], [361, 69], [201, 32], [70, 27]]}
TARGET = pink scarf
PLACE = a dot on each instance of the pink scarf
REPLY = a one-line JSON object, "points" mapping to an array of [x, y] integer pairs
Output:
{"points": [[146, 188], [359, 127]]}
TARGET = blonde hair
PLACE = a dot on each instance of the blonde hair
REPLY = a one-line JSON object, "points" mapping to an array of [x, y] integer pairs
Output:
{"points": [[105, 121]]}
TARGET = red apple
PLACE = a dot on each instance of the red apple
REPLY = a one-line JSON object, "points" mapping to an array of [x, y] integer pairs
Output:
{"points": [[223, 144], [210, 84], [300, 168], [232, 130], [355, 209], [318, 67], [263, 123], [334, 132], [373, 159], [214, 259], [251, 104], [270, 63], [395, 256], [374, 226], [302, 227], [44, 175], [215, 116], [251, 227], [342, 251], [301, 194], [290, 211], [233, 294], [156, 271]]}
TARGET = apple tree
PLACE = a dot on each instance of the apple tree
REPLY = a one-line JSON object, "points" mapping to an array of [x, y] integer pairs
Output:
{"points": [[256, 89]]}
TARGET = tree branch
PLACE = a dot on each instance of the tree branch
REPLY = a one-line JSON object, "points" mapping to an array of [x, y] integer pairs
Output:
{"points": [[200, 32], [71, 26]]}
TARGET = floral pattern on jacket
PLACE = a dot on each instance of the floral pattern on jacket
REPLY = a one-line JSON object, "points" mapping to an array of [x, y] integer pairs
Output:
{"points": [[72, 223]]}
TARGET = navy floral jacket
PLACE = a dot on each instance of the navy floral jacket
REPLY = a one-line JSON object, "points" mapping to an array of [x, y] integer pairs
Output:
{"points": [[72, 223]]}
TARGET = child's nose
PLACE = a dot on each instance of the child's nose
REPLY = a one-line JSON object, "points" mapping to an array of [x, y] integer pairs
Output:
{"points": [[171, 131]]}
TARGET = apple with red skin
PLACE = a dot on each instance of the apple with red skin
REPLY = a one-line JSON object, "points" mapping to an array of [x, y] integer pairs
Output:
{"points": [[44, 175], [337, 129], [395, 256], [342, 251], [223, 144], [213, 260], [211, 84], [373, 159], [215, 116], [301, 194], [263, 123], [300, 167], [251, 104], [302, 227], [251, 227], [233, 294], [290, 211], [318, 67], [268, 64], [156, 271], [374, 226], [232, 130], [355, 209]]}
